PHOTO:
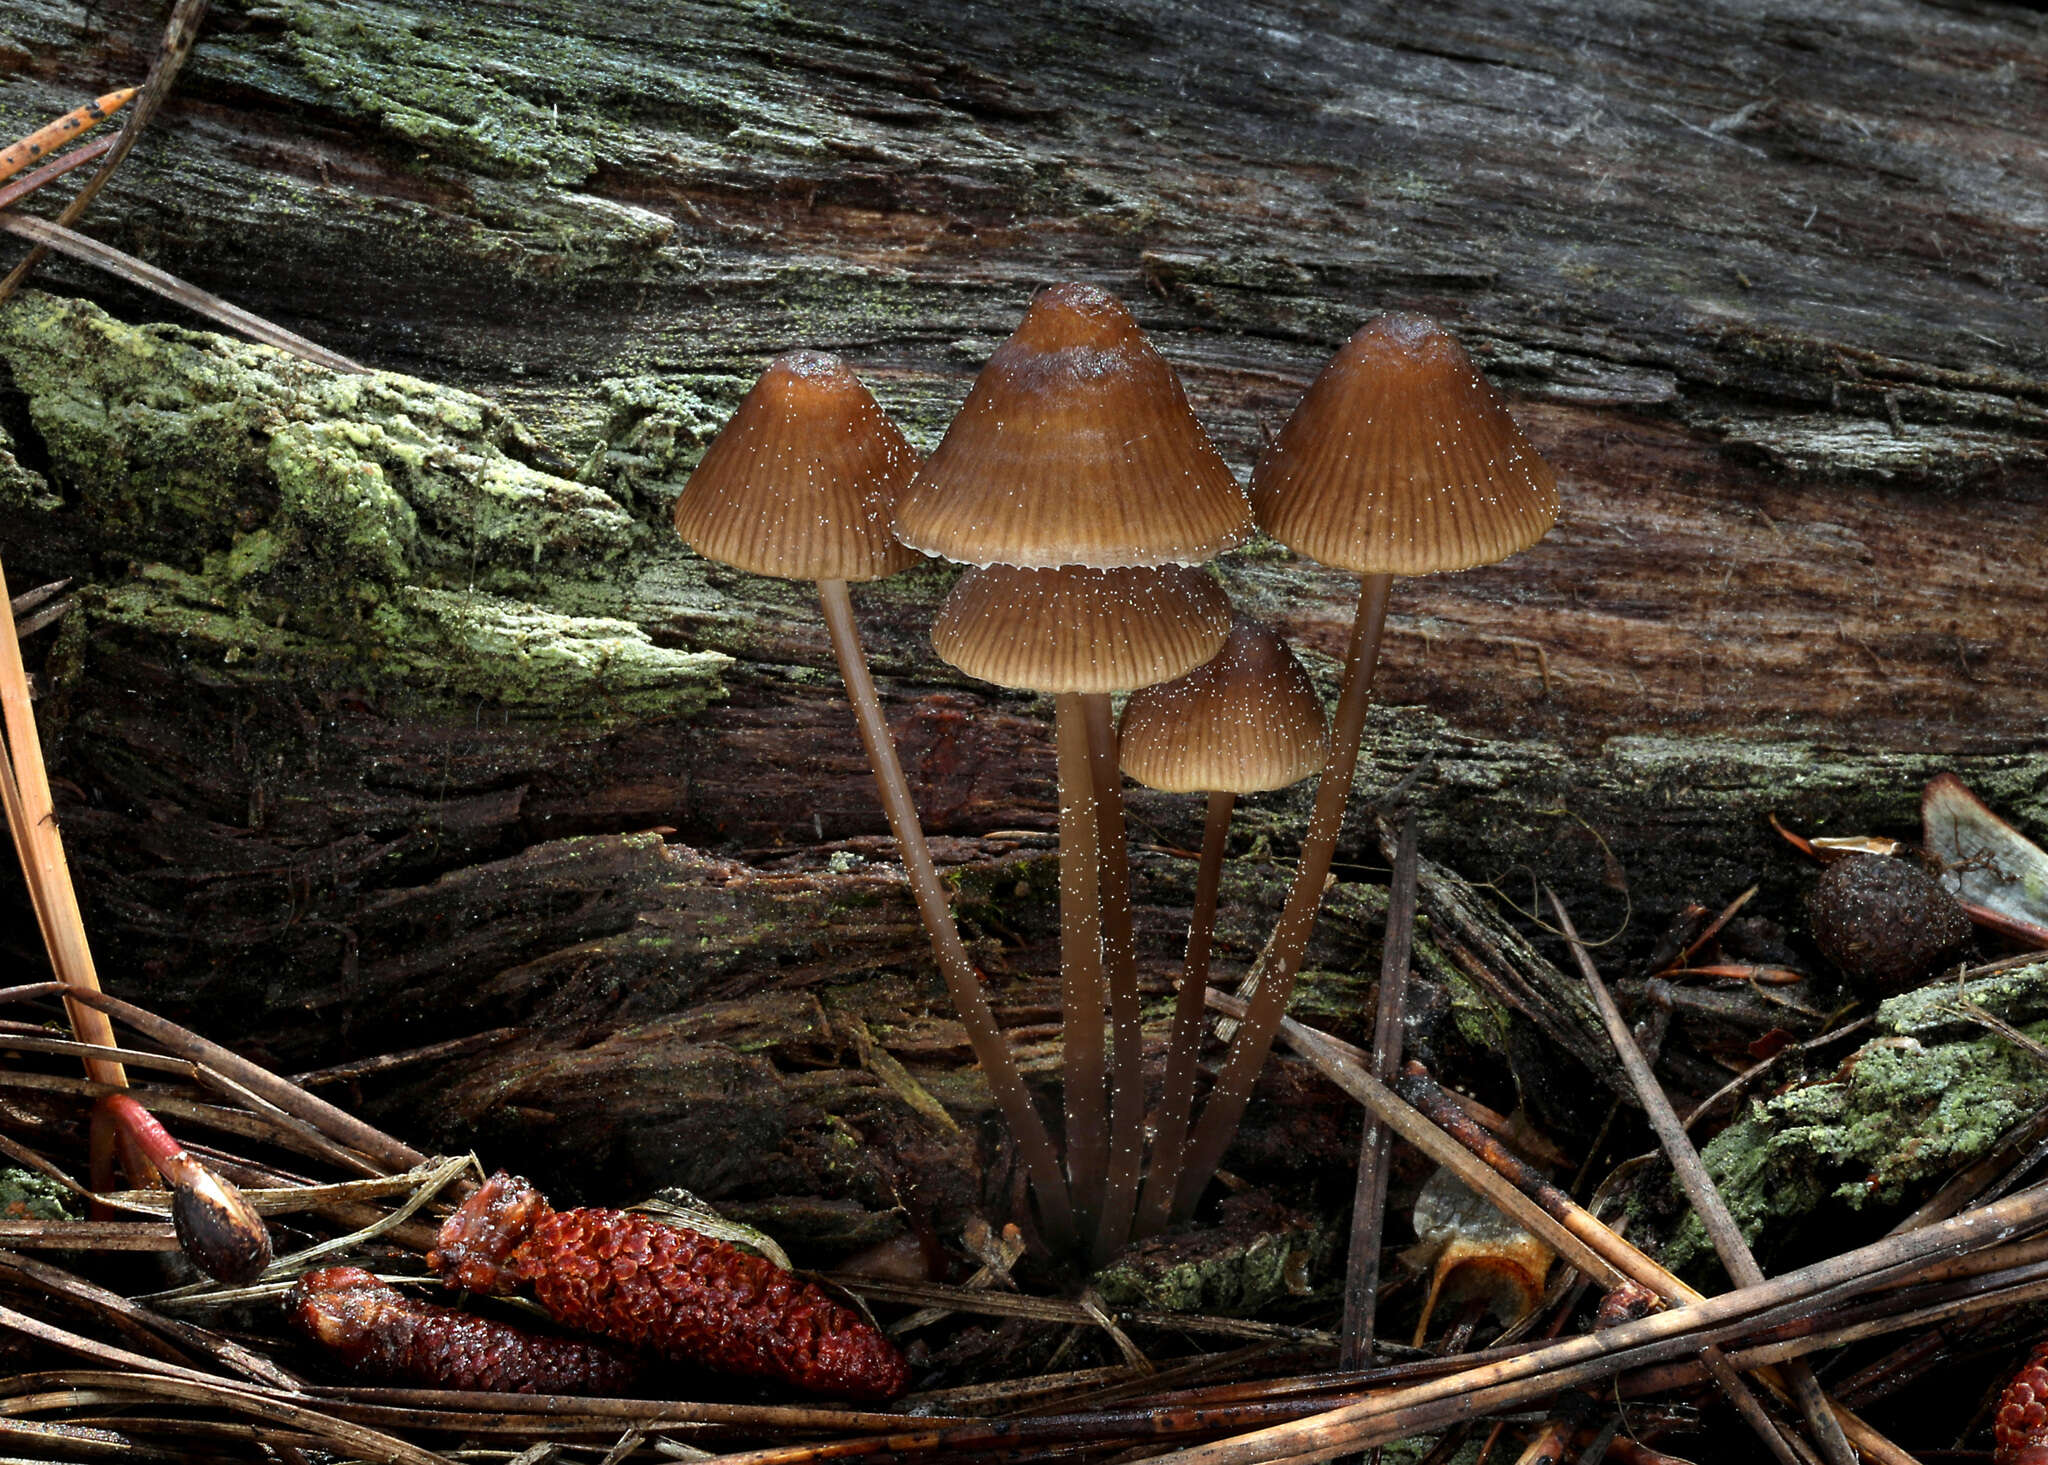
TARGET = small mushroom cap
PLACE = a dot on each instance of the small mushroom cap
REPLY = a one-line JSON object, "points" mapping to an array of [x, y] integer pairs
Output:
{"points": [[1081, 630], [1246, 720], [802, 480], [1401, 460], [1075, 447]]}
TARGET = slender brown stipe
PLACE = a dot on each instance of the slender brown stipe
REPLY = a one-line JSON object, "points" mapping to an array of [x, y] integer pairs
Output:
{"points": [[1282, 960], [1245, 721], [1082, 991], [801, 483], [1120, 979], [1184, 1043], [963, 982]]}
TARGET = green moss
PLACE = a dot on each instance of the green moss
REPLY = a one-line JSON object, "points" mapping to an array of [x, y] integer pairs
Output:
{"points": [[374, 531], [656, 429], [27, 1196], [1899, 1116], [1236, 1270]]}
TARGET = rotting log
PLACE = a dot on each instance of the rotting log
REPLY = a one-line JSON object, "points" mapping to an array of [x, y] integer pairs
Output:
{"points": [[374, 687]]}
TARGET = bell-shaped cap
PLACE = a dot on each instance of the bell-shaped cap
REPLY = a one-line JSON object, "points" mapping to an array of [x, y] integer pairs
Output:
{"points": [[1401, 460], [1076, 447], [1246, 720], [802, 480], [1081, 630]]}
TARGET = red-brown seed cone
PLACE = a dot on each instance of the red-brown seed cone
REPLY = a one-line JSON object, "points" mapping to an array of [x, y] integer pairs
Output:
{"points": [[1401, 460], [381, 1334], [2021, 1430], [1245, 720], [802, 480], [1081, 630], [666, 1288], [1075, 447]]}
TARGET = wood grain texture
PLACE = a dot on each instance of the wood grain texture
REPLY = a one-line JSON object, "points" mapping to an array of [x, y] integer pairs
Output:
{"points": [[1764, 281]]}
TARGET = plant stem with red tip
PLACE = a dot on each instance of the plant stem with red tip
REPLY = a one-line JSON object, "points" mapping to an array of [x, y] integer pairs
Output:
{"points": [[1120, 975], [1081, 980], [25, 787], [963, 983], [1184, 1045], [1282, 961], [217, 1229]]}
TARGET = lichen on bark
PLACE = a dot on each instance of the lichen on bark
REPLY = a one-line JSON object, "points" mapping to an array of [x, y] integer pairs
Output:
{"points": [[370, 531], [1931, 1094]]}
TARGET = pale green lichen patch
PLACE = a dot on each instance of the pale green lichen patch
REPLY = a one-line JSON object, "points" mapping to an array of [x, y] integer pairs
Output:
{"points": [[1254, 1256], [22, 489], [376, 530], [1895, 1119], [656, 429]]}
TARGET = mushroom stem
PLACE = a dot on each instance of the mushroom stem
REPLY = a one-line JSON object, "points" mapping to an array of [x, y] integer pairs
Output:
{"points": [[1281, 961], [1184, 1046], [1120, 975], [963, 983], [1081, 981]]}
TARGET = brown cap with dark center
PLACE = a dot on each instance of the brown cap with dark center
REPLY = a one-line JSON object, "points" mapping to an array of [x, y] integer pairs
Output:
{"points": [[1401, 460], [802, 481], [1247, 719], [1076, 447], [1081, 630]]}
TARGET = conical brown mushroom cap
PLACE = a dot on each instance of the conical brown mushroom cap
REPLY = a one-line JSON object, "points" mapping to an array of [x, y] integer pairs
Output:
{"points": [[1247, 719], [802, 480], [1401, 460], [1081, 630], [1076, 447]]}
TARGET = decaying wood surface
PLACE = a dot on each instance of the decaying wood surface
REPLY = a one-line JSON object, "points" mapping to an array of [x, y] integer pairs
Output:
{"points": [[1766, 282]]}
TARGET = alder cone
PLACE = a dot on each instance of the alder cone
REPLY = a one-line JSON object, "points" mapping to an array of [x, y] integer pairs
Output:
{"points": [[666, 1289]]}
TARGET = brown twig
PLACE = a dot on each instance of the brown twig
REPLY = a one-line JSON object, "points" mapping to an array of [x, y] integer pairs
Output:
{"points": [[20, 188], [1698, 1185], [334, 1122], [1589, 1358], [1369, 1196], [1348, 1068], [180, 32], [48, 235]]}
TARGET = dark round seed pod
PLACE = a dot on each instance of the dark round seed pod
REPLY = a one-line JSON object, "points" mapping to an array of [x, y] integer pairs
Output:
{"points": [[1884, 922]]}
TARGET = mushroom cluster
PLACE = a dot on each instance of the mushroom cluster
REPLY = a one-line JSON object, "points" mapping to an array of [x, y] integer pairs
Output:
{"points": [[1077, 486]]}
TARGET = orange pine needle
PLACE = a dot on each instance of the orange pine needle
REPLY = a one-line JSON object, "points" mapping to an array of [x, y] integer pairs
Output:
{"points": [[33, 823], [75, 123]]}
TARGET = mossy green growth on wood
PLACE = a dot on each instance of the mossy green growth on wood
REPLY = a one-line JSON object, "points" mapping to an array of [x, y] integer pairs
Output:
{"points": [[1896, 1118], [374, 530]]}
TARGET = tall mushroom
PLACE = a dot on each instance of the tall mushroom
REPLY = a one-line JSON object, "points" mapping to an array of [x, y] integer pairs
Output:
{"points": [[1081, 634], [1246, 721], [1077, 448], [1399, 460], [801, 484]]}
